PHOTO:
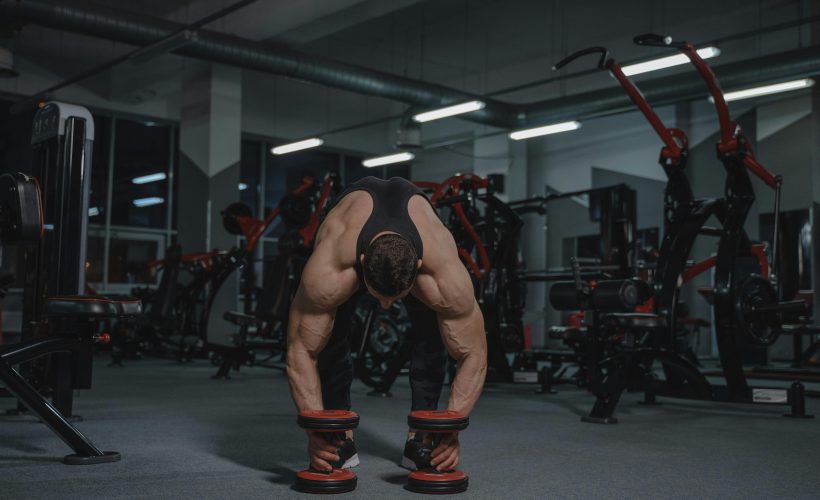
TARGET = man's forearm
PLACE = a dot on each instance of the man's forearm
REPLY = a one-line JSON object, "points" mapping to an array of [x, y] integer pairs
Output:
{"points": [[305, 387], [469, 382], [472, 368], [302, 366]]}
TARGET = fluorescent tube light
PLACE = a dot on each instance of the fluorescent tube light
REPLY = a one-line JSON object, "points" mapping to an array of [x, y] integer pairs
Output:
{"points": [[297, 146], [147, 202], [387, 160], [458, 109], [767, 89], [145, 179], [667, 62], [243, 186], [545, 130]]}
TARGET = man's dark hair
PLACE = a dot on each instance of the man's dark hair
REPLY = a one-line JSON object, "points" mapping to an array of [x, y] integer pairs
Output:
{"points": [[390, 264]]}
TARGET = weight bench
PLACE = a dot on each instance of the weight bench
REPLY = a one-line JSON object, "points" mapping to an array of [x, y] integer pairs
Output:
{"points": [[72, 321]]}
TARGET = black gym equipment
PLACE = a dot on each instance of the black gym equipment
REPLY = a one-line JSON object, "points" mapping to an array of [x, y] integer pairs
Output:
{"points": [[379, 338], [622, 346], [332, 424], [433, 425], [168, 327], [47, 214], [490, 231], [487, 231], [263, 327]]}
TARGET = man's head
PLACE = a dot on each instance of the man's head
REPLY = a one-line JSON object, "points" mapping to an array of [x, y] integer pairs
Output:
{"points": [[390, 265]]}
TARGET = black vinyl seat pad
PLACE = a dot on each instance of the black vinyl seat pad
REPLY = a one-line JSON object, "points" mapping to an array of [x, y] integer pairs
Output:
{"points": [[93, 306]]}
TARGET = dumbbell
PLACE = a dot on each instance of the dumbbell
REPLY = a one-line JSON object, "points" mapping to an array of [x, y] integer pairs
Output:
{"points": [[332, 424], [436, 423]]}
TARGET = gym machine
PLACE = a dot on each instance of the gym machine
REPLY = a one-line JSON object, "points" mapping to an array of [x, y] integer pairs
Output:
{"points": [[487, 234], [614, 209], [264, 327], [47, 212], [622, 345]]}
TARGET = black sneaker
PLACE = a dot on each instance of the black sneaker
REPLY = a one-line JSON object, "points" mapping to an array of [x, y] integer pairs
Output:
{"points": [[416, 455], [348, 455]]}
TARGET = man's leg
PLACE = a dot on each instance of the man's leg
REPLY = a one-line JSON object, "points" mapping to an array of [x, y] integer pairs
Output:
{"points": [[336, 375], [429, 359], [335, 363], [428, 365]]}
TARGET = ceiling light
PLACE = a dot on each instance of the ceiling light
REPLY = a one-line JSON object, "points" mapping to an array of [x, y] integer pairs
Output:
{"points": [[545, 130], [667, 62], [387, 160], [243, 186], [458, 109], [297, 146], [767, 89], [147, 202], [145, 179], [93, 211]]}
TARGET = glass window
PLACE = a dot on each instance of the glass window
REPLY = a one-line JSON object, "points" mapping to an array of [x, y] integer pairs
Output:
{"points": [[15, 140], [129, 257], [175, 188], [95, 257], [354, 170], [141, 154], [98, 197], [271, 246], [398, 170], [249, 172], [285, 172]]}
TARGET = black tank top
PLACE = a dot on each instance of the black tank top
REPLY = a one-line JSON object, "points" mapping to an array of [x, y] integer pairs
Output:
{"points": [[389, 213]]}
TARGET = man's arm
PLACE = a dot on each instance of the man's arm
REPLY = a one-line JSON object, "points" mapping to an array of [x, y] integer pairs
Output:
{"points": [[449, 292], [323, 288]]}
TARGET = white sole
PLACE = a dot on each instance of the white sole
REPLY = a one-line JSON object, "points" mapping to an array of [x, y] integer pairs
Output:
{"points": [[407, 463], [351, 462]]}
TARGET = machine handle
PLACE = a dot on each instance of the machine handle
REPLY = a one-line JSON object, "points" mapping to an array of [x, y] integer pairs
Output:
{"points": [[655, 40], [581, 53]]}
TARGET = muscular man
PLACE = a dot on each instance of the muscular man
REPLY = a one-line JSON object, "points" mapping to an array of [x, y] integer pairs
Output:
{"points": [[384, 237]]}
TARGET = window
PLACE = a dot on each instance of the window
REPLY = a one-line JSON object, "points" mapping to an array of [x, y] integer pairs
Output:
{"points": [[399, 170], [129, 256], [354, 170], [98, 198], [250, 169], [284, 173], [95, 257], [15, 140], [140, 191]]}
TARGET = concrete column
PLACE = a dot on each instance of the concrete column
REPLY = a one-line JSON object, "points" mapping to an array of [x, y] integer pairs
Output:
{"points": [[210, 149], [210, 140]]}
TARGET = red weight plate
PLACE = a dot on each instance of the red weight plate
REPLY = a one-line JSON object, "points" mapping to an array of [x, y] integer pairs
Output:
{"points": [[336, 481], [437, 415], [335, 414], [335, 475], [438, 421], [437, 483], [433, 476]]}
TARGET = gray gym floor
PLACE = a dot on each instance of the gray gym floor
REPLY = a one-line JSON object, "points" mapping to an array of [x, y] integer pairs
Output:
{"points": [[183, 435]]}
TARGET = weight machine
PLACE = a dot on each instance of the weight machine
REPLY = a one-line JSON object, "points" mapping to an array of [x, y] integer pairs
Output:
{"points": [[623, 345]]}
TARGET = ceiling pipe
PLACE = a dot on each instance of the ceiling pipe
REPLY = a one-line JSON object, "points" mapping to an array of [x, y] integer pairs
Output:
{"points": [[136, 29]]}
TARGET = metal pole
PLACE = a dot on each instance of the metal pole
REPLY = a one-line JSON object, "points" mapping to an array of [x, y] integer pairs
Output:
{"points": [[109, 202]]}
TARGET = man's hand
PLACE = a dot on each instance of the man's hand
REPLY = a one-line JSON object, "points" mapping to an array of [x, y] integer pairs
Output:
{"points": [[445, 455], [322, 452]]}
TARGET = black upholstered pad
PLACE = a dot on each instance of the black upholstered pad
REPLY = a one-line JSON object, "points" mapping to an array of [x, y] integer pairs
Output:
{"points": [[91, 306]]}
